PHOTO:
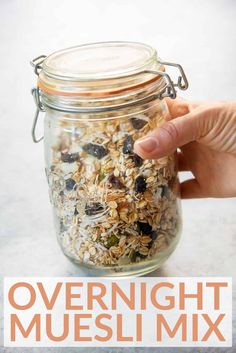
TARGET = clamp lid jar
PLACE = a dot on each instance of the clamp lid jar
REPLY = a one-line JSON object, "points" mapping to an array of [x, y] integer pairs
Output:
{"points": [[114, 213]]}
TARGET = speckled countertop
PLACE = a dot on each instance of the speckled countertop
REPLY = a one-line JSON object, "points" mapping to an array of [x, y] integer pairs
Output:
{"points": [[198, 34]]}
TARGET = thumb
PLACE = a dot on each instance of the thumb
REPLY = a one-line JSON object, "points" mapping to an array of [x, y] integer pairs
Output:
{"points": [[172, 134]]}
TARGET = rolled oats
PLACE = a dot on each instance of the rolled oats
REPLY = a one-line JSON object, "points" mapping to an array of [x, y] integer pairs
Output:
{"points": [[113, 207]]}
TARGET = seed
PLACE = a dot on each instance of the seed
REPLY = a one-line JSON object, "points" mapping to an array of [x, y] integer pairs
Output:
{"points": [[128, 172], [150, 179], [115, 182], [69, 157], [112, 204], [144, 228], [112, 241], [93, 209], [128, 145], [95, 150], [113, 213], [140, 184], [138, 161], [92, 251], [142, 203], [138, 123], [133, 217], [116, 173], [70, 184], [106, 225]]}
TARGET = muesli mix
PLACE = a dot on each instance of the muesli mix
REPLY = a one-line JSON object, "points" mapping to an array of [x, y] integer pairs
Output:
{"points": [[113, 208]]}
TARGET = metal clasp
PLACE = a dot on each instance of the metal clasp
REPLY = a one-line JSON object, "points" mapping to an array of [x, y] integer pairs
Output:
{"points": [[182, 79], [37, 63], [39, 108], [169, 90]]}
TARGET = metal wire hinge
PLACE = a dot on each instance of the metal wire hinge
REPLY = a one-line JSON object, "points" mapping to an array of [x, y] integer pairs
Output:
{"points": [[39, 108], [37, 63], [169, 90]]}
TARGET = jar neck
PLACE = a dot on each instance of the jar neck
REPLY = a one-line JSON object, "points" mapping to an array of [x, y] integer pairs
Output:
{"points": [[105, 101]]}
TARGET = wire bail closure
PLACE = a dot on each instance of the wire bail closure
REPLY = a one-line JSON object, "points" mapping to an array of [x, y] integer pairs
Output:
{"points": [[168, 91], [40, 108]]}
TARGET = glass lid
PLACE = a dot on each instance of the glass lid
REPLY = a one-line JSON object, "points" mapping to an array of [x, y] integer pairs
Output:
{"points": [[99, 61]]}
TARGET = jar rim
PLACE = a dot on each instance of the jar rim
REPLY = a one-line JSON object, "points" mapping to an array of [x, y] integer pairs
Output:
{"points": [[121, 67]]}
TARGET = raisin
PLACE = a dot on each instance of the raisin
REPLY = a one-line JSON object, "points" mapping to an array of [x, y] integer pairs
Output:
{"points": [[128, 145], [112, 241], [133, 255], [70, 184], [69, 157], [138, 123], [93, 208], [97, 151], [140, 184], [145, 228], [154, 234], [164, 190], [138, 161], [115, 182]]}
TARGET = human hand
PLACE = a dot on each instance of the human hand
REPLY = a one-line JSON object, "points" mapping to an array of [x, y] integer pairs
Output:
{"points": [[206, 136]]}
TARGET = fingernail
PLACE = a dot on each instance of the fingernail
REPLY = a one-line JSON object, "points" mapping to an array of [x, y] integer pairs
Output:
{"points": [[148, 144]]}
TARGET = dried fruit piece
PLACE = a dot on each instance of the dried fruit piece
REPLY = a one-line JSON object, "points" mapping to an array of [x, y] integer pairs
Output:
{"points": [[154, 234], [93, 208], [164, 190], [145, 228], [115, 182], [140, 184], [70, 184], [138, 123], [69, 157], [138, 161], [128, 145], [112, 241], [95, 150]]}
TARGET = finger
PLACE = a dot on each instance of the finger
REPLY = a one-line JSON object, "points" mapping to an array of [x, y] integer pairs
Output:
{"points": [[182, 163], [190, 189], [179, 107], [173, 134], [176, 107]]}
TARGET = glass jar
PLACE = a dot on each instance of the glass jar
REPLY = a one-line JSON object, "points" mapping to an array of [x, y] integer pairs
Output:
{"points": [[115, 213]]}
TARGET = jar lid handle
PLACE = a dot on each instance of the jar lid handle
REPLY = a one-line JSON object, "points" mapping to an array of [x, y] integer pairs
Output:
{"points": [[37, 63]]}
